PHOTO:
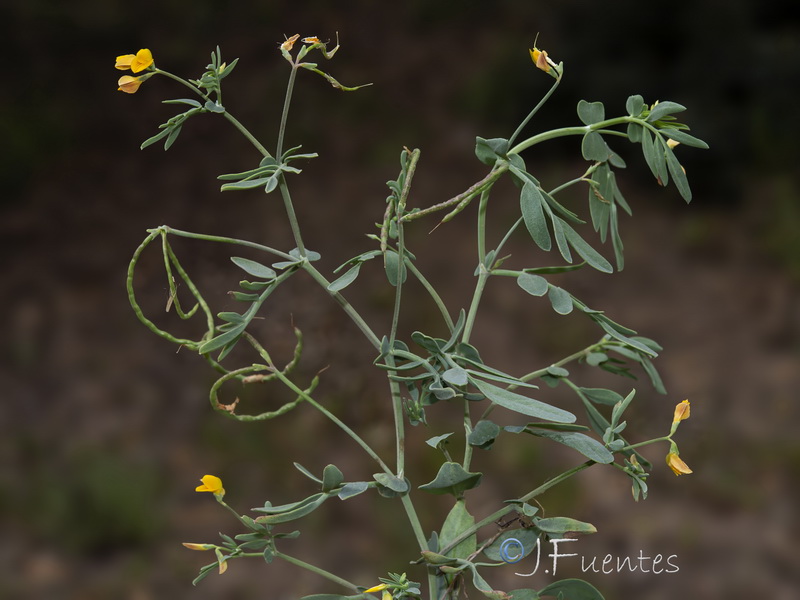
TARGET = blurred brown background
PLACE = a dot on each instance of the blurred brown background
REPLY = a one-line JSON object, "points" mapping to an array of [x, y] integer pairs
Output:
{"points": [[106, 429]]}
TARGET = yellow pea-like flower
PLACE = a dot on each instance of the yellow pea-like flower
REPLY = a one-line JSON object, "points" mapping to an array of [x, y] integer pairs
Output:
{"points": [[211, 484], [376, 588], [135, 62], [677, 465], [128, 84]]}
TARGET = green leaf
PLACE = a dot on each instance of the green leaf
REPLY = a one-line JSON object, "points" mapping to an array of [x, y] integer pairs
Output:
{"points": [[332, 478], [530, 203], [483, 434], [394, 270], [242, 297], [522, 404], [188, 101], [311, 504], [247, 184], [589, 447], [616, 239], [307, 473], [523, 594], [561, 240], [152, 140], [635, 105], [458, 520], [560, 299], [353, 489], [557, 371], [586, 252], [395, 484], [652, 373], [591, 112], [488, 151], [594, 148], [455, 376], [527, 536], [678, 176], [533, 284], [683, 138], [662, 109], [602, 396], [173, 135], [595, 358], [222, 339], [452, 479], [253, 268], [438, 439], [560, 525], [272, 182], [571, 589], [651, 156], [635, 132], [211, 106], [346, 279]]}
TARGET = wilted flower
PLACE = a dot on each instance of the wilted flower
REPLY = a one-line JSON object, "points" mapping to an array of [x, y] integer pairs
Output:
{"points": [[211, 484], [681, 412], [287, 45], [135, 62], [312, 40], [192, 546], [677, 465], [539, 58]]}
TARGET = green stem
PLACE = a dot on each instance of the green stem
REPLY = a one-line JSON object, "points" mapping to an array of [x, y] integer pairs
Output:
{"points": [[581, 353], [467, 432], [483, 276], [534, 111], [666, 438], [224, 240], [285, 114], [346, 306], [314, 569], [226, 114], [473, 191], [511, 507], [293, 223], [244, 131], [580, 130], [333, 418], [433, 293]]}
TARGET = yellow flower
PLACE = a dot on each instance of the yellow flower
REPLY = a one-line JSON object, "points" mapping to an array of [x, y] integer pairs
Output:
{"points": [[387, 595], [376, 588], [211, 484], [677, 465], [681, 412], [539, 58], [129, 85], [135, 62], [672, 143]]}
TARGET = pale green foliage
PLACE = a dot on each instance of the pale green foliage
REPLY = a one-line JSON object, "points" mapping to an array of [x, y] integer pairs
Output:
{"points": [[426, 370]]}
